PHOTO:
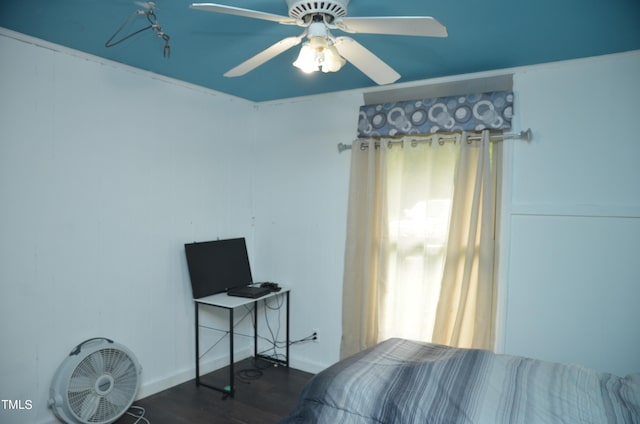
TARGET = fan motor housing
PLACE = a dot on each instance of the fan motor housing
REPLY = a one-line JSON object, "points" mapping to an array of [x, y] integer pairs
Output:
{"points": [[298, 9]]}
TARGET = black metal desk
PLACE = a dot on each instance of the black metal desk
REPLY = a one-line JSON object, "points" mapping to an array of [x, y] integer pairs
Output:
{"points": [[224, 301]]}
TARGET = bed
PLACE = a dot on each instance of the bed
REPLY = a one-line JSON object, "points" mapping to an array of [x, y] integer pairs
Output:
{"points": [[401, 381]]}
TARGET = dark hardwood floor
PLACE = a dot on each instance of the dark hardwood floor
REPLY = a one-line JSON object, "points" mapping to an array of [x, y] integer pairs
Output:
{"points": [[264, 394]]}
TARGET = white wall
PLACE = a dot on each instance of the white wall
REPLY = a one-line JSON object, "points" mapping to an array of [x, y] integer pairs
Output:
{"points": [[104, 174], [574, 215], [301, 202]]}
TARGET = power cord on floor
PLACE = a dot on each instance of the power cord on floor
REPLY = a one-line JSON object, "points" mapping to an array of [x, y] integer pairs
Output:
{"points": [[138, 413], [247, 375]]}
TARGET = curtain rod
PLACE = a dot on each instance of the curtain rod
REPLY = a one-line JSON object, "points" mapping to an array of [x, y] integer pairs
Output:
{"points": [[522, 135]]}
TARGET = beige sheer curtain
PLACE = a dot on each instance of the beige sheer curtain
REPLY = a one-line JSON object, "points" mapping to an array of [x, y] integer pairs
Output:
{"points": [[419, 249]]}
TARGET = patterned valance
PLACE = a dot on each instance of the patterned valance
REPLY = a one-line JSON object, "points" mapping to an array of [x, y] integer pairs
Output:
{"points": [[471, 112]]}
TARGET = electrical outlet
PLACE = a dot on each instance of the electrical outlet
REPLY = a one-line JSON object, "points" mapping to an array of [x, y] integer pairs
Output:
{"points": [[315, 335]]}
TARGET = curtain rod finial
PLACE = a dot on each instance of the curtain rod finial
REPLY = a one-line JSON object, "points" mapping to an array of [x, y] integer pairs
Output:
{"points": [[342, 147], [526, 135]]}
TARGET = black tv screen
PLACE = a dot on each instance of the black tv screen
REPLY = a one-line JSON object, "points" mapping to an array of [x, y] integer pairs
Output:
{"points": [[216, 266]]}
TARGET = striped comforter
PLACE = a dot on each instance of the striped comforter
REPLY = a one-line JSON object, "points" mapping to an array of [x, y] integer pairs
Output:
{"points": [[400, 381]]}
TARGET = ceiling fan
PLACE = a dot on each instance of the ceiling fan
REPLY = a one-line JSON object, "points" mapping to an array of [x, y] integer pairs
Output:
{"points": [[323, 51]]}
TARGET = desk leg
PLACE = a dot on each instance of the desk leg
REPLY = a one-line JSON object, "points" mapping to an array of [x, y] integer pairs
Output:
{"points": [[287, 348], [231, 366], [197, 307], [255, 329], [228, 390]]}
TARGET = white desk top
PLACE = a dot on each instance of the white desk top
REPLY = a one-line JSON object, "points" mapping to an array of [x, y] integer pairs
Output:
{"points": [[223, 300]]}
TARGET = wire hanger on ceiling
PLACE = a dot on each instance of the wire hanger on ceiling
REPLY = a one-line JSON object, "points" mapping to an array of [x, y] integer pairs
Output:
{"points": [[153, 25]]}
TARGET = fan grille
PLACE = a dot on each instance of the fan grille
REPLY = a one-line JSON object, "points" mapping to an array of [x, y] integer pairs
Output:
{"points": [[102, 386], [335, 8]]}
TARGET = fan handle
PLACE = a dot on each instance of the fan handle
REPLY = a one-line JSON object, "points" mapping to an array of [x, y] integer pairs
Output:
{"points": [[76, 350]]}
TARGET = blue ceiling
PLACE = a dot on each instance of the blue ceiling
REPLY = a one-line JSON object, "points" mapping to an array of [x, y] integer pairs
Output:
{"points": [[483, 35]]}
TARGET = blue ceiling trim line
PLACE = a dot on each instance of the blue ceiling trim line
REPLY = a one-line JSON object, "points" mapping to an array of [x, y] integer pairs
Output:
{"points": [[471, 112]]}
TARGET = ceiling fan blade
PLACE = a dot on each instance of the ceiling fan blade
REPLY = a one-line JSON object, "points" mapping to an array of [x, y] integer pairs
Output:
{"points": [[145, 4], [264, 56], [370, 64], [422, 26], [231, 10]]}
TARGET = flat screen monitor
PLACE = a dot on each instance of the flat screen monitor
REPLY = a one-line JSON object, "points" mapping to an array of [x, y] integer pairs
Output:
{"points": [[216, 266]]}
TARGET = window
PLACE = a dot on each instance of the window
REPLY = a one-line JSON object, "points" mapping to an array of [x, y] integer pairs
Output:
{"points": [[419, 261]]}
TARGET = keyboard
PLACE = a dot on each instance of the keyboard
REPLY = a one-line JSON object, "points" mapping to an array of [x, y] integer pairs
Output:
{"points": [[251, 292]]}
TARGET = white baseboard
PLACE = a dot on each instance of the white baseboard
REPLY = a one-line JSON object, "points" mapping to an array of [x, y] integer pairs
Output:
{"points": [[155, 386], [307, 366]]}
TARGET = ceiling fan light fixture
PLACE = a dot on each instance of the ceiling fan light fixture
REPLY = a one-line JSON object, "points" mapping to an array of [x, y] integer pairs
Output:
{"points": [[306, 60], [318, 54], [332, 60]]}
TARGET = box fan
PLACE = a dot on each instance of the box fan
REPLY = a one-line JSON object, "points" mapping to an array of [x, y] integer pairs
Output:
{"points": [[96, 383]]}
